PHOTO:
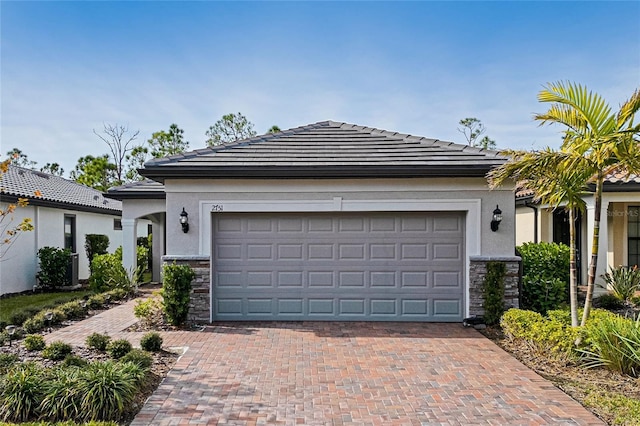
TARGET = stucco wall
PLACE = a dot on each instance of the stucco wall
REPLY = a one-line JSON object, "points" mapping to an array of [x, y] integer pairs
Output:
{"points": [[194, 194], [525, 225], [19, 266]]}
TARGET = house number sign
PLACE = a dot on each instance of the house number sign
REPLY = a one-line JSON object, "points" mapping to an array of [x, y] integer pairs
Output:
{"points": [[217, 208]]}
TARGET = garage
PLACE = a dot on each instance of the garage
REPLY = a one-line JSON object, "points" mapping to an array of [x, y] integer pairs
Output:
{"points": [[330, 221], [373, 266]]}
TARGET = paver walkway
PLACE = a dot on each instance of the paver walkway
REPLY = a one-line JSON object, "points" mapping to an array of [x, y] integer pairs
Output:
{"points": [[321, 373]]}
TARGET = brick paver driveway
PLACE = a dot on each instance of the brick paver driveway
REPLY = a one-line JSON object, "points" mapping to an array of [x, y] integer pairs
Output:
{"points": [[344, 373], [354, 373]]}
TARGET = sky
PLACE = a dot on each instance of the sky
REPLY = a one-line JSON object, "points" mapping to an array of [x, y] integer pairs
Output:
{"points": [[67, 68]]}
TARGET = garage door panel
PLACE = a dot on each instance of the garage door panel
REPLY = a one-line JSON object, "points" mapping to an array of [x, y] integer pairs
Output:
{"points": [[447, 279], [442, 251], [446, 224], [259, 252], [383, 279], [414, 279], [351, 224], [352, 266], [447, 308], [321, 279]]}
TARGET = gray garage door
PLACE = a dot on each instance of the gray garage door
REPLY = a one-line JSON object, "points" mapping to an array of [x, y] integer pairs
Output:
{"points": [[360, 267]]}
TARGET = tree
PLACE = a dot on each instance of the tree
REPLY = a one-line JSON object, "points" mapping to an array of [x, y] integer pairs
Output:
{"points": [[135, 160], [230, 128], [20, 159], [274, 129], [120, 143], [546, 174], [95, 172], [472, 129], [8, 231], [599, 141], [164, 143], [52, 169]]}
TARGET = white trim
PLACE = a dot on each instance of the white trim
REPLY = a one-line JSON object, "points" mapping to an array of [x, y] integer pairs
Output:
{"points": [[472, 208]]}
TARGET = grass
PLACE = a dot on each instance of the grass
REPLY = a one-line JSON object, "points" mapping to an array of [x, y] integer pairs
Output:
{"points": [[11, 305]]}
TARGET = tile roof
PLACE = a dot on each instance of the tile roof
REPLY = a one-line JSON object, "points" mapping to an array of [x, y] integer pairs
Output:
{"points": [[146, 189], [615, 181], [328, 149], [54, 191], [622, 178]]}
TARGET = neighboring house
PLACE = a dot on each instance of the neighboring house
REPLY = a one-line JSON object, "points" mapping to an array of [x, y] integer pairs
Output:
{"points": [[62, 215], [619, 229], [329, 221]]}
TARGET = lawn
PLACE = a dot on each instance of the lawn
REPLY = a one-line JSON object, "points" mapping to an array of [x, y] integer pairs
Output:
{"points": [[35, 302]]}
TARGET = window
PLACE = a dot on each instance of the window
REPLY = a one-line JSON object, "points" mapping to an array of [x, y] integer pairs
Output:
{"points": [[70, 233], [117, 224], [633, 235]]}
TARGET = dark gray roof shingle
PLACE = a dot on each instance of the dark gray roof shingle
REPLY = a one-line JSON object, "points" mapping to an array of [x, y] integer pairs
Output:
{"points": [[328, 149], [145, 189], [54, 191]]}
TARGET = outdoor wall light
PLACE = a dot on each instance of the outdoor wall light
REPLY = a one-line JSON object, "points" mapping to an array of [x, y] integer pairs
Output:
{"points": [[184, 221], [497, 218], [11, 329]]}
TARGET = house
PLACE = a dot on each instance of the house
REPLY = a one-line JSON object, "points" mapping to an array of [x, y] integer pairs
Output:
{"points": [[619, 229], [62, 214], [329, 221]]}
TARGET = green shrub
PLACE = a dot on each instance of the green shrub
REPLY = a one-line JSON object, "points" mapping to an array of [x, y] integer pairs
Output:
{"points": [[57, 351], [98, 341], [552, 335], [622, 282], [118, 293], [138, 357], [107, 389], [20, 317], [176, 289], [95, 244], [107, 273], [149, 311], [151, 342], [96, 301], [517, 323], [608, 301], [614, 342], [545, 276], [147, 244], [142, 257], [493, 292], [34, 342], [119, 348], [62, 398], [21, 392], [74, 361], [7, 361], [34, 324], [73, 309], [53, 267]]}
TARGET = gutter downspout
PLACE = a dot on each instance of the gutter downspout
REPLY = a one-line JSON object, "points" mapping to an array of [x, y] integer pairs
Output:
{"points": [[535, 220]]}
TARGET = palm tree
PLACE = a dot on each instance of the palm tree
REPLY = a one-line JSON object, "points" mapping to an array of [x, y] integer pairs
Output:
{"points": [[598, 142], [554, 184]]}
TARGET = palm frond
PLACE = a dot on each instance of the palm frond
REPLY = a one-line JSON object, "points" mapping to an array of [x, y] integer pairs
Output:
{"points": [[629, 109], [589, 105]]}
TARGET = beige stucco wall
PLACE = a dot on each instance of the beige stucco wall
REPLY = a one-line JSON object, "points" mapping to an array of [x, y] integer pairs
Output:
{"points": [[379, 194], [617, 235], [525, 225]]}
